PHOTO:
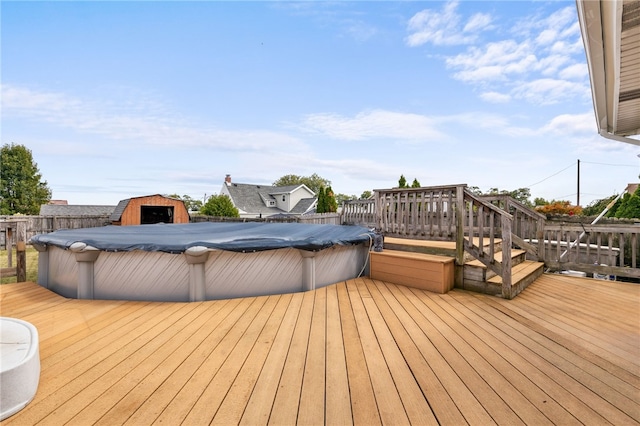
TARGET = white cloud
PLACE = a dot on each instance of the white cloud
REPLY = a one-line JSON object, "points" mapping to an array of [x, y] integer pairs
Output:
{"points": [[495, 97], [373, 125], [571, 124], [445, 27], [495, 61], [122, 122], [546, 91], [542, 64], [575, 71], [478, 22]]}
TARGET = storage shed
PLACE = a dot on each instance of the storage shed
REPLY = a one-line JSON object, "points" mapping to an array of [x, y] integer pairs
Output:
{"points": [[149, 209]]}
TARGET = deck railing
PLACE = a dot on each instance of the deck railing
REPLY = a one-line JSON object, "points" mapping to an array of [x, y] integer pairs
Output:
{"points": [[527, 227], [598, 249], [420, 213], [359, 212], [436, 213], [484, 220], [443, 213]]}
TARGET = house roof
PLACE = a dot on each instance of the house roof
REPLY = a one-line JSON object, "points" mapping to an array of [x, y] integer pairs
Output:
{"points": [[611, 36], [75, 210], [303, 206], [251, 198]]}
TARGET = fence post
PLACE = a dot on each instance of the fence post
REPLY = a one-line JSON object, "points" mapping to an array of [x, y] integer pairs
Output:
{"points": [[21, 262]]}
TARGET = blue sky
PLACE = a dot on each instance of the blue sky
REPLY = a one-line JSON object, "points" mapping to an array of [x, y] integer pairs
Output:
{"points": [[124, 99]]}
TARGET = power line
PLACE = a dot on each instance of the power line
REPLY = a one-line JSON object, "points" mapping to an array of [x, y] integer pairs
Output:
{"points": [[608, 164], [557, 173]]}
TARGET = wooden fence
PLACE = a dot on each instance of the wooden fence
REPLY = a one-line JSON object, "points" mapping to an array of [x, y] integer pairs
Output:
{"points": [[34, 225], [14, 231]]}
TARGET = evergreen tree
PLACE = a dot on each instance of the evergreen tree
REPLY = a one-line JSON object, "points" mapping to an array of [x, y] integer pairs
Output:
{"points": [[415, 183], [402, 182], [22, 189], [330, 200], [630, 206], [321, 206]]}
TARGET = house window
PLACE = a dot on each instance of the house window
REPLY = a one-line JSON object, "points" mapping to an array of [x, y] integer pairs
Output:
{"points": [[156, 214]]}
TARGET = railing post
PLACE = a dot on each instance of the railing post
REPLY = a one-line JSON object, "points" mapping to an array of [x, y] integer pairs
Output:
{"points": [[459, 212], [379, 211], [540, 238], [506, 257]]}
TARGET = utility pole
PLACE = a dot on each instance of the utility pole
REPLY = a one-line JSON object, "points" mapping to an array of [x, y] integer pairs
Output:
{"points": [[578, 201]]}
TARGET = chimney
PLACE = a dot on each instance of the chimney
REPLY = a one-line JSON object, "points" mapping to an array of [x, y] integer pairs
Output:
{"points": [[227, 179]]}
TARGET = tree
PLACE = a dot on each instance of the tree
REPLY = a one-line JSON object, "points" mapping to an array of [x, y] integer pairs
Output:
{"points": [[402, 182], [597, 206], [520, 194], [366, 195], [321, 205], [22, 189], [313, 182], [415, 183], [341, 198], [220, 206], [330, 199], [629, 206], [191, 204]]}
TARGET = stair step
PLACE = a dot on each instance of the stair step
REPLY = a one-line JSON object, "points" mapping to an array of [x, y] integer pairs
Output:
{"points": [[521, 272], [515, 253], [475, 270]]}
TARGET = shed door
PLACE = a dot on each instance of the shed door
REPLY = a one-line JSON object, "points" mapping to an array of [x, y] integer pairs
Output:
{"points": [[156, 214]]}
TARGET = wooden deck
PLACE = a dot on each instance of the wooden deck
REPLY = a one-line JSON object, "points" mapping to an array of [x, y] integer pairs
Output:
{"points": [[565, 351]]}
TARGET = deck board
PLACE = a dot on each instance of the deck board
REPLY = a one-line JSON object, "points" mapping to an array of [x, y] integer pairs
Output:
{"points": [[565, 351]]}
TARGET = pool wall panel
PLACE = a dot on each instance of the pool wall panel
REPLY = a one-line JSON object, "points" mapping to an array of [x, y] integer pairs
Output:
{"points": [[230, 274], [141, 275]]}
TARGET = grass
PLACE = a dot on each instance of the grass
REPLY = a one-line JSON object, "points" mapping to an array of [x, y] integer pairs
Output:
{"points": [[32, 264]]}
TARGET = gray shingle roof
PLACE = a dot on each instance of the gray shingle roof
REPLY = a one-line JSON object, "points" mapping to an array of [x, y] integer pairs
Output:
{"points": [[303, 205], [250, 198], [74, 210]]}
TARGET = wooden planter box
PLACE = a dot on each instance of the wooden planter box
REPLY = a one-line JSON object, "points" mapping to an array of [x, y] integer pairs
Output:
{"points": [[418, 270]]}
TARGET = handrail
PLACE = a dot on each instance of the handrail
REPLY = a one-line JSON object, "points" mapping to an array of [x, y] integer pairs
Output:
{"points": [[528, 224], [476, 209]]}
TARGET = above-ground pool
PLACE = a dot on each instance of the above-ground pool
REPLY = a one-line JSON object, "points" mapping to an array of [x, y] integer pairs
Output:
{"points": [[199, 261]]}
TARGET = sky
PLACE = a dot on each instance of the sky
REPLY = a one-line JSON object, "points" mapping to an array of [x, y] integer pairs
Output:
{"points": [[125, 99]]}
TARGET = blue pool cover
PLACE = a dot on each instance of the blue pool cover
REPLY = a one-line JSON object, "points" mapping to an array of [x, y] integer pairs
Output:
{"points": [[231, 236]]}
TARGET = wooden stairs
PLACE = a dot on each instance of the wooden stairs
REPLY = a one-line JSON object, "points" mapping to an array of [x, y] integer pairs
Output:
{"points": [[475, 275]]}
